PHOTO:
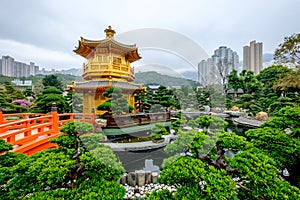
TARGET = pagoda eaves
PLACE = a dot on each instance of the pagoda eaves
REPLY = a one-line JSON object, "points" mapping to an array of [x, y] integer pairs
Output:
{"points": [[86, 47]]}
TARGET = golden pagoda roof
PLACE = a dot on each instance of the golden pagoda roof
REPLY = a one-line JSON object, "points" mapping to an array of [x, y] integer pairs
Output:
{"points": [[86, 46]]}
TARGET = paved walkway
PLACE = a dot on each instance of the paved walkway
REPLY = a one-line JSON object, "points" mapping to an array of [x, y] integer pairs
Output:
{"points": [[248, 122], [140, 146]]}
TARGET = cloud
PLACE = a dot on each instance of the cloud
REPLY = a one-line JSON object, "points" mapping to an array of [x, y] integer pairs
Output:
{"points": [[57, 25], [42, 57]]}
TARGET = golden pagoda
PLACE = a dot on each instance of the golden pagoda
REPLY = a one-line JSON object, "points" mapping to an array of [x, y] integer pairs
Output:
{"points": [[108, 65]]}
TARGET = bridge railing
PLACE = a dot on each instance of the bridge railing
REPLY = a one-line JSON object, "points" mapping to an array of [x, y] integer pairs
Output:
{"points": [[30, 133], [20, 132], [68, 117], [19, 116]]}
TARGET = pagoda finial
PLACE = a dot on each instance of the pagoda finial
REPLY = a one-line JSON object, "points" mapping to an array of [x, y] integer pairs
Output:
{"points": [[109, 32]]}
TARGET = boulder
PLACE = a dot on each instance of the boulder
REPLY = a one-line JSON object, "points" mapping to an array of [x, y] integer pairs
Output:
{"points": [[99, 123], [235, 108], [262, 116]]}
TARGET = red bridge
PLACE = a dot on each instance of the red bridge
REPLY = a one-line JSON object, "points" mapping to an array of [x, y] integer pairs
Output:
{"points": [[31, 132]]}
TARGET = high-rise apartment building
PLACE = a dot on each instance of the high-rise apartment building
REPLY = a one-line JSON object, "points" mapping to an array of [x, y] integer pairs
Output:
{"points": [[225, 56], [252, 57], [12, 68], [204, 70]]}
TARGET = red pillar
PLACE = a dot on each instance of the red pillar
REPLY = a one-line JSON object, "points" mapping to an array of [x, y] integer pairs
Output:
{"points": [[55, 119]]}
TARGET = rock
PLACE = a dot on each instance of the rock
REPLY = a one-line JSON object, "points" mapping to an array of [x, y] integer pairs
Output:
{"points": [[140, 178], [262, 116], [131, 179], [123, 179], [154, 176], [235, 108], [99, 123]]}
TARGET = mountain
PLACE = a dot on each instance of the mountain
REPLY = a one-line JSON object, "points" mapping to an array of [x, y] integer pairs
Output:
{"points": [[152, 77], [73, 71], [267, 57], [193, 75]]}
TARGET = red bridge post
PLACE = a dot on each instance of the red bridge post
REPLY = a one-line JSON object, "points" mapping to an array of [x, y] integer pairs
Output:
{"points": [[55, 119], [1, 116]]}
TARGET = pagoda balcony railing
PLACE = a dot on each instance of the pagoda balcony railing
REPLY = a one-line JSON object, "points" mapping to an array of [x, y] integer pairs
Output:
{"points": [[106, 66], [112, 73]]}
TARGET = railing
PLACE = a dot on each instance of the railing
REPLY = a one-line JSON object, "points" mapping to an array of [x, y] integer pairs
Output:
{"points": [[136, 120], [18, 116], [68, 117], [30, 133]]}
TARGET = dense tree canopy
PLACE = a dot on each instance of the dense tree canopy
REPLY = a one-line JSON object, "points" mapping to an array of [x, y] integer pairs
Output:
{"points": [[289, 50], [47, 97], [227, 166], [52, 80], [68, 172]]}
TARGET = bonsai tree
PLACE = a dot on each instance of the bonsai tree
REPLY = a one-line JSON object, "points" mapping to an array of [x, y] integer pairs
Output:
{"points": [[158, 130], [117, 104], [66, 172]]}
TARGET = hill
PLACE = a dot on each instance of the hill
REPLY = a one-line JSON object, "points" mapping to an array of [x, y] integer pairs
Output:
{"points": [[165, 80], [65, 78]]}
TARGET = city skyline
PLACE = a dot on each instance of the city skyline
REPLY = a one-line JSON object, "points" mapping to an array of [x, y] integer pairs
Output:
{"points": [[44, 32]]}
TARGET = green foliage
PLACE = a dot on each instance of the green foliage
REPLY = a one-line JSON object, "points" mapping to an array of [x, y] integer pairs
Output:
{"points": [[234, 82], [193, 170], [29, 93], [4, 146], [169, 160], [64, 173], [91, 141], [208, 122], [105, 155], [162, 99], [281, 102], [262, 177], [44, 169], [152, 77], [96, 167], [186, 98], [233, 142], [158, 130], [289, 50], [63, 141], [270, 75], [117, 104], [162, 194], [197, 181], [77, 127], [182, 142], [141, 101], [7, 162], [47, 97], [287, 117], [288, 83], [255, 165], [8, 95], [276, 144], [52, 80]]}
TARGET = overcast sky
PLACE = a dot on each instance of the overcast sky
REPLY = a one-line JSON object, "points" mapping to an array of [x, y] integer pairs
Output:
{"points": [[47, 31]]}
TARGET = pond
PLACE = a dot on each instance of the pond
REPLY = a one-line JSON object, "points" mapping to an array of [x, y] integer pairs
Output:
{"points": [[136, 160]]}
